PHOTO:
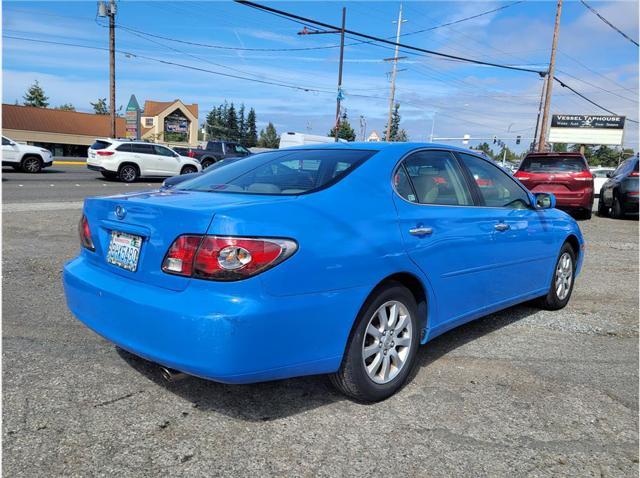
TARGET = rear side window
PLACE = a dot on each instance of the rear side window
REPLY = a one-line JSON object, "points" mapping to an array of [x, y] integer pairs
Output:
{"points": [[497, 188], [280, 172], [434, 178], [125, 148], [162, 151], [215, 147], [100, 145], [142, 148], [553, 164]]}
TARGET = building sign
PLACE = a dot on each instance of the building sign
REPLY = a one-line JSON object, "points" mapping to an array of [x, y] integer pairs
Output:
{"points": [[176, 125], [587, 129], [132, 118]]}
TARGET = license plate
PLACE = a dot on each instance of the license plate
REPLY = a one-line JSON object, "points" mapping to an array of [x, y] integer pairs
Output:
{"points": [[92, 155], [124, 250]]}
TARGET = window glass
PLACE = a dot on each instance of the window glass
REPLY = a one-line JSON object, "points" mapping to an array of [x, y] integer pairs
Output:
{"points": [[553, 164], [148, 122], [5, 141], [214, 146], [403, 186], [99, 144], [162, 151], [279, 172], [239, 149], [436, 178], [496, 187], [601, 173], [142, 148], [124, 147]]}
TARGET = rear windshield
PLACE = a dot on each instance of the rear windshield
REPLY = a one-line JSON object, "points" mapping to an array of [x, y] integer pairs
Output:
{"points": [[279, 172], [556, 164], [100, 145]]}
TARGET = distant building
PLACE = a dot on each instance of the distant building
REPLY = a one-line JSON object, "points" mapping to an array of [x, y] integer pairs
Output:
{"points": [[170, 122], [64, 133], [374, 137]]}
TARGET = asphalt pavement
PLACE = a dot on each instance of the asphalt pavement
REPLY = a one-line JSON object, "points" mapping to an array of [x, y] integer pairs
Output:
{"points": [[520, 392]]}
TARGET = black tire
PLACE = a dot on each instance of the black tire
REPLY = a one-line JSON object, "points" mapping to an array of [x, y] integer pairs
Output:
{"points": [[206, 163], [189, 170], [603, 210], [351, 378], [31, 164], [617, 211], [108, 174], [128, 173], [552, 301], [585, 214]]}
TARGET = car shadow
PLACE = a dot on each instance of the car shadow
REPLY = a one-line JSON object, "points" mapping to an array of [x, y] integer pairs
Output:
{"points": [[283, 398], [102, 179], [10, 170]]}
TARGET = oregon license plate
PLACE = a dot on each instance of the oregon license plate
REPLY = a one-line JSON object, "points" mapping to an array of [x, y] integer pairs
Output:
{"points": [[124, 250]]}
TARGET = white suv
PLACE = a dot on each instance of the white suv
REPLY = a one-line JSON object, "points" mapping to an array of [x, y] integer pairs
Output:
{"points": [[23, 157], [129, 160]]}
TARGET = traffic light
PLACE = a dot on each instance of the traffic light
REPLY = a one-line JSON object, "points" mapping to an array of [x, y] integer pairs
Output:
{"points": [[518, 139]]}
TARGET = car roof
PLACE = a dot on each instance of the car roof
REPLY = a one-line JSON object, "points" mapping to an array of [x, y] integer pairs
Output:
{"points": [[553, 154], [384, 146]]}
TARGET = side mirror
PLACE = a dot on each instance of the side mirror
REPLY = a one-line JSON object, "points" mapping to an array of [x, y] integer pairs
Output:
{"points": [[610, 174], [545, 200]]}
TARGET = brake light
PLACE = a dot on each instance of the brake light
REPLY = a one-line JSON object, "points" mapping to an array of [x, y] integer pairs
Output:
{"points": [[634, 174], [191, 154], [85, 234], [583, 176], [104, 153], [225, 258]]}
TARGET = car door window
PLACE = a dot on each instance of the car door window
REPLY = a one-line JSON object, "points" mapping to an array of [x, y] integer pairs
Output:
{"points": [[434, 177], [142, 148], [162, 151], [5, 141], [497, 188], [125, 148]]}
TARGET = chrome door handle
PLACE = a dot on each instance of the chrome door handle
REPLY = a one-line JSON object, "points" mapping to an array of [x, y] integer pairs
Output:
{"points": [[420, 231], [502, 227]]}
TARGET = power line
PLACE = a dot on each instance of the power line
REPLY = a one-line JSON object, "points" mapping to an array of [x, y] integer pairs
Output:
{"points": [[298, 18], [598, 87], [596, 13]]}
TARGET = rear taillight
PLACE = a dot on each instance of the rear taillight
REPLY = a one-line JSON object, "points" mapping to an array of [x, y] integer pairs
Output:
{"points": [[104, 153], [583, 176], [85, 234], [191, 154], [225, 258], [634, 174]]}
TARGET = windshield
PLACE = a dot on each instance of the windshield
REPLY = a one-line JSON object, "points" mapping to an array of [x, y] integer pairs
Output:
{"points": [[279, 172], [555, 164]]}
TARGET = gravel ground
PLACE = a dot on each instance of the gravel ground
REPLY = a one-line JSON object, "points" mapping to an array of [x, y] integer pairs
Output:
{"points": [[522, 392]]}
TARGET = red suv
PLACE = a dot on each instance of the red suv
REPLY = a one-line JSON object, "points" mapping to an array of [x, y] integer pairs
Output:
{"points": [[566, 175]]}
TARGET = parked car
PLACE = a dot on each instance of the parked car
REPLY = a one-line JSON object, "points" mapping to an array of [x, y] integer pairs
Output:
{"points": [[214, 151], [175, 180], [600, 176], [129, 160], [337, 259], [619, 194], [23, 157], [291, 139], [566, 175]]}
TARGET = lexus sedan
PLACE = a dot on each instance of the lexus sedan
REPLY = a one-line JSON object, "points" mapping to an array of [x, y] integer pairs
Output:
{"points": [[337, 259]]}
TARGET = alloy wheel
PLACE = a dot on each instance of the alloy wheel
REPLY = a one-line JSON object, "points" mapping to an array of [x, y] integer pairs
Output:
{"points": [[387, 342], [32, 165], [564, 276], [128, 174]]}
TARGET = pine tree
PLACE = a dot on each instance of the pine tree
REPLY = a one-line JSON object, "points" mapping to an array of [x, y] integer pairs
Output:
{"points": [[252, 130], [66, 107], [35, 96], [345, 131], [269, 138], [395, 133], [242, 126], [100, 107], [232, 124]]}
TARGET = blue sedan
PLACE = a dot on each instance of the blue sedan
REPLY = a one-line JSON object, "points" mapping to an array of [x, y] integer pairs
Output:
{"points": [[335, 259]]}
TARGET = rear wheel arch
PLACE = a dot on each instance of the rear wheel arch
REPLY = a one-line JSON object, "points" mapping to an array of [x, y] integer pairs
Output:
{"points": [[130, 163]]}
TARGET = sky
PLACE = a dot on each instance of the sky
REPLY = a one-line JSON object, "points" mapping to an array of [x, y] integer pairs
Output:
{"points": [[447, 97]]}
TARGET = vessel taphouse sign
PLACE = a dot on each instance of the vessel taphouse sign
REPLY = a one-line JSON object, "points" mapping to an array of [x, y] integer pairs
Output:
{"points": [[587, 129]]}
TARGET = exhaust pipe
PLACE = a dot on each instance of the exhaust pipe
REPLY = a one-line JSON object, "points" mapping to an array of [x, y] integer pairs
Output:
{"points": [[171, 375]]}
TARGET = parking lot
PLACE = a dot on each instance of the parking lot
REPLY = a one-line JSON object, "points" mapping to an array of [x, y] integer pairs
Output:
{"points": [[521, 392]]}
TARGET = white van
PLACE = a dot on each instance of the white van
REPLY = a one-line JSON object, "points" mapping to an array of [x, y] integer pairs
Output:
{"points": [[300, 139]]}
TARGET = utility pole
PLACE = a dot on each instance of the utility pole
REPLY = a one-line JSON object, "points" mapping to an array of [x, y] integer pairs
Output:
{"points": [[433, 123], [363, 128], [535, 134], [550, 76], [109, 10], [393, 75], [340, 96]]}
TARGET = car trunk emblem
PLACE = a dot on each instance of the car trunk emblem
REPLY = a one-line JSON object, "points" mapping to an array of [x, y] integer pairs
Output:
{"points": [[120, 212]]}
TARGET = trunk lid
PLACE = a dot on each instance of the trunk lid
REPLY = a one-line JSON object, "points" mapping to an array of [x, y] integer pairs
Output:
{"points": [[158, 218]]}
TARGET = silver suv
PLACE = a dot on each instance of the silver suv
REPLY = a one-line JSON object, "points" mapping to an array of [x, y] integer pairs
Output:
{"points": [[129, 160]]}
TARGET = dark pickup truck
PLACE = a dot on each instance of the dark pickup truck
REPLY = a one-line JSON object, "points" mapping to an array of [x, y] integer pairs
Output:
{"points": [[214, 151]]}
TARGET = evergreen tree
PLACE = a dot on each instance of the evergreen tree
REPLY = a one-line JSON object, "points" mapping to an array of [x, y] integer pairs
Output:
{"points": [[395, 133], [233, 134], [269, 138], [242, 126], [485, 148], [66, 107], [345, 131], [100, 107], [252, 130], [559, 148], [35, 96], [215, 125]]}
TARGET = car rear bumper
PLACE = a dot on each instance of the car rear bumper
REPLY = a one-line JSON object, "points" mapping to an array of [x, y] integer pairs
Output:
{"points": [[223, 335], [630, 203], [575, 200]]}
